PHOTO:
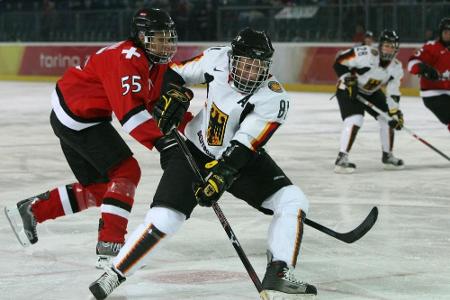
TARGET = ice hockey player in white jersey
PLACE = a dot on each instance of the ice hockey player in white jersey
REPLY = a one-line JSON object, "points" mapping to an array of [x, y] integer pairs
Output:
{"points": [[364, 71], [245, 105]]}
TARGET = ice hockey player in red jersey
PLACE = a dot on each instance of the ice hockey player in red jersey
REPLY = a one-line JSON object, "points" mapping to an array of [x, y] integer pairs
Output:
{"points": [[125, 79], [432, 64]]}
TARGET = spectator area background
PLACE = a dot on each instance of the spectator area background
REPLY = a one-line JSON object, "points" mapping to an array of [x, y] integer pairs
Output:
{"points": [[220, 20], [292, 24], [305, 67]]}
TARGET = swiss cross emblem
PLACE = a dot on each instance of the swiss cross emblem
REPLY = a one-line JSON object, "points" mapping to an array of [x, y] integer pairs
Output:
{"points": [[130, 53], [446, 75]]}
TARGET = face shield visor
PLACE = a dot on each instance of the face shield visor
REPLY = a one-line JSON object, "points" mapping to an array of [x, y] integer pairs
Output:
{"points": [[248, 73], [388, 50], [160, 45]]}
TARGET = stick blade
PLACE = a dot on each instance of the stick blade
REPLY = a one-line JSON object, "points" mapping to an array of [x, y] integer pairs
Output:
{"points": [[362, 229]]}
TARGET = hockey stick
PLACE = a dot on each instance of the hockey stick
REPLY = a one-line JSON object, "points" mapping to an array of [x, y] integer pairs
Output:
{"points": [[351, 236], [387, 118], [223, 220], [348, 237]]}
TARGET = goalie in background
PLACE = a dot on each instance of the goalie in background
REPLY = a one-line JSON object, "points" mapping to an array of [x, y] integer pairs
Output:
{"points": [[363, 71], [116, 80], [245, 105], [432, 64]]}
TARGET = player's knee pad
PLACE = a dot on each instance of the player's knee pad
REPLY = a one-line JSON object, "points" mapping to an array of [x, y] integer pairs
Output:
{"points": [[287, 201], [128, 169], [83, 196], [354, 120], [167, 220], [118, 201], [123, 187], [97, 190]]}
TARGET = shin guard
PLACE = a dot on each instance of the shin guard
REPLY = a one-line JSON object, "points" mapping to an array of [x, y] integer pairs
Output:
{"points": [[64, 200], [286, 229], [143, 241], [351, 126]]}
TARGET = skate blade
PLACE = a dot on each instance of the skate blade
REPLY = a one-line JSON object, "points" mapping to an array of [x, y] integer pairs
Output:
{"points": [[275, 295], [15, 220], [343, 170], [392, 167]]}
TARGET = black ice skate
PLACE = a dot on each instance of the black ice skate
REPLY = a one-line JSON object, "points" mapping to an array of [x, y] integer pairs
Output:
{"points": [[281, 284], [106, 251], [104, 286], [23, 222], [343, 165], [391, 162]]}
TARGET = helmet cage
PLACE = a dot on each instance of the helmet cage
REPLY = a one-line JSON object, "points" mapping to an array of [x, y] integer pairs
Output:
{"points": [[248, 73], [388, 56], [388, 37], [160, 45]]}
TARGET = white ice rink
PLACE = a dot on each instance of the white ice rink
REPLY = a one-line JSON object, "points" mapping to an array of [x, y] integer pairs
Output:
{"points": [[406, 256]]}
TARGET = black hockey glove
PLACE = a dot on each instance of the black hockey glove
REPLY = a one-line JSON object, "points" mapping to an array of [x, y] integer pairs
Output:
{"points": [[220, 178], [171, 107], [223, 173], [351, 84], [397, 119], [428, 72], [166, 146]]}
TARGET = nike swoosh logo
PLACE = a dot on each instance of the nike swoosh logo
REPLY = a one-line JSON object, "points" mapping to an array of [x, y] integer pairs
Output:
{"points": [[215, 69]]}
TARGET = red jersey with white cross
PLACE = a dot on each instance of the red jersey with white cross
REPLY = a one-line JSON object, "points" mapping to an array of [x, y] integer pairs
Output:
{"points": [[117, 79], [436, 55]]}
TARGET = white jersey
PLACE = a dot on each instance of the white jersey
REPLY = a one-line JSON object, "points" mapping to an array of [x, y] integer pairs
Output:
{"points": [[228, 114], [365, 61]]}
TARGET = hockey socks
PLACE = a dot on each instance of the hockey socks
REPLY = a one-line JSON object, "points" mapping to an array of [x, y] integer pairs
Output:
{"points": [[289, 206], [66, 200], [116, 207], [351, 126], [159, 223], [145, 239]]}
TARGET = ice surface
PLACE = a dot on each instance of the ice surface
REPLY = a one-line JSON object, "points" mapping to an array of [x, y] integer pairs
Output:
{"points": [[405, 256]]}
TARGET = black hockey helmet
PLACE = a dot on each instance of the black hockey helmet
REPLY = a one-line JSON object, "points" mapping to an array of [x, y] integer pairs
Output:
{"points": [[368, 33], [368, 38], [250, 59], [154, 31], [391, 37], [444, 24]]}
